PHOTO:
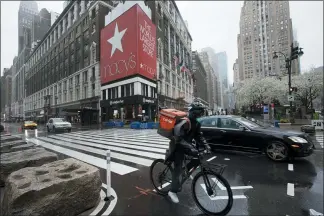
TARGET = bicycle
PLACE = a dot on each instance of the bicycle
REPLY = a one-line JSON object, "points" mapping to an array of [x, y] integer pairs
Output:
{"points": [[215, 170]]}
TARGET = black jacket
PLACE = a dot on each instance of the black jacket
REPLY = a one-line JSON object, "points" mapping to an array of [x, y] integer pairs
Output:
{"points": [[185, 133]]}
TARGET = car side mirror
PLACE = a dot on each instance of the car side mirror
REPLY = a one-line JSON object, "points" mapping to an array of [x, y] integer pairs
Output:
{"points": [[242, 128]]}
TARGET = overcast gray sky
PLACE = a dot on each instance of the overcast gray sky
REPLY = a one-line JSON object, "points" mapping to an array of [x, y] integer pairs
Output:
{"points": [[211, 23]]}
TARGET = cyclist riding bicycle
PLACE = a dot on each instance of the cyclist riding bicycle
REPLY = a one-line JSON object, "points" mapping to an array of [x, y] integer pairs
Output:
{"points": [[184, 133]]}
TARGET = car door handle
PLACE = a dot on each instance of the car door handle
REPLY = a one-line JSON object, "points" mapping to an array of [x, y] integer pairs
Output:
{"points": [[222, 131]]}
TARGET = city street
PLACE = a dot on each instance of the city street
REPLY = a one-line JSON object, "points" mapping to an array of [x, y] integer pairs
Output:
{"points": [[260, 186]]}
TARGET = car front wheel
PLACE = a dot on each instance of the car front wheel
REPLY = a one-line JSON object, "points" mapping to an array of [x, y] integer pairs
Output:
{"points": [[277, 151]]}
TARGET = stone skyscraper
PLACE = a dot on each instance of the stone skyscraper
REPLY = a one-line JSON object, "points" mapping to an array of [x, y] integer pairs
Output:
{"points": [[265, 27]]}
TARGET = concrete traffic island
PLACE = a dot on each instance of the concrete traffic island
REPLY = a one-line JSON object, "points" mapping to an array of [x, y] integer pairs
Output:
{"points": [[66, 187], [14, 161]]}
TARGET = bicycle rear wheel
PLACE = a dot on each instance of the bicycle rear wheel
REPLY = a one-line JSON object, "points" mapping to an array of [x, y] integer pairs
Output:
{"points": [[209, 189], [161, 176]]}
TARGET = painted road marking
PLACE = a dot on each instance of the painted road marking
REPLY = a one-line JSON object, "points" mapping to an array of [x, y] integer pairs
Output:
{"points": [[163, 186], [112, 203], [129, 158], [221, 197], [315, 213], [116, 143], [222, 187], [137, 152], [291, 167], [111, 146], [320, 140], [98, 162], [290, 189], [101, 203], [126, 140], [212, 158], [241, 187], [226, 159]]}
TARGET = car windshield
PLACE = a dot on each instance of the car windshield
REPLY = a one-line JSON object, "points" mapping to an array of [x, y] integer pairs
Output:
{"points": [[248, 123], [29, 122], [57, 120]]}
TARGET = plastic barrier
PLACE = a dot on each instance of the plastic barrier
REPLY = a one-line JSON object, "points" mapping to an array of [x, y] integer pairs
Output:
{"points": [[135, 125], [113, 124], [144, 125], [119, 124]]}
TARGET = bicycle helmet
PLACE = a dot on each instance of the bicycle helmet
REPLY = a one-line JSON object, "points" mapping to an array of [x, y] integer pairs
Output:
{"points": [[196, 109]]}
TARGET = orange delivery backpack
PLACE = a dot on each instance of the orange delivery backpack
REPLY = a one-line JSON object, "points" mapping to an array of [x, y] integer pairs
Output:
{"points": [[168, 119]]}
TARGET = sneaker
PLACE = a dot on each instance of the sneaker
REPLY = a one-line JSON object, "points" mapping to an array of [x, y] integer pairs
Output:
{"points": [[173, 197]]}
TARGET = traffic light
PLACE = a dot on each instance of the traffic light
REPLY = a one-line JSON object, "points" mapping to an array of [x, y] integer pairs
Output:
{"points": [[294, 53], [293, 89]]}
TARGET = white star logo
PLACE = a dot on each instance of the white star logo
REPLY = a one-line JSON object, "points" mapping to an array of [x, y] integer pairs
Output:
{"points": [[115, 40]]}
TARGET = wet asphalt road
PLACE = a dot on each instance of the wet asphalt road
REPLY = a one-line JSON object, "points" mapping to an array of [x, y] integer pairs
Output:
{"points": [[290, 188]]}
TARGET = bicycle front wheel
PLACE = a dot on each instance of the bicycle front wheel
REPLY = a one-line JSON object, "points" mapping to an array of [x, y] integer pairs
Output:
{"points": [[212, 193], [161, 176]]}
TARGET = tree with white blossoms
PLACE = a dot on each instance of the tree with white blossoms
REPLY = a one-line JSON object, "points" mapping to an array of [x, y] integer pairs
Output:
{"points": [[259, 90], [309, 87], [255, 90]]}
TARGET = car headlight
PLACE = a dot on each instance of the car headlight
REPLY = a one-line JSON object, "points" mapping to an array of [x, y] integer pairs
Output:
{"points": [[297, 139]]}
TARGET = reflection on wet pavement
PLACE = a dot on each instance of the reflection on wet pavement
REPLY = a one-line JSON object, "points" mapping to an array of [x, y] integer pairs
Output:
{"points": [[260, 186]]}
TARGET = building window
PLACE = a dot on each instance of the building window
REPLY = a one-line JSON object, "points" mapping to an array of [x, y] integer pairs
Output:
{"points": [[144, 91], [77, 94], [93, 28], [104, 95], [85, 92]]}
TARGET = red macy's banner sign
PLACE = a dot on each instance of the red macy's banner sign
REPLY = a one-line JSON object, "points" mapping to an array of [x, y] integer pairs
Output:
{"points": [[128, 46]]}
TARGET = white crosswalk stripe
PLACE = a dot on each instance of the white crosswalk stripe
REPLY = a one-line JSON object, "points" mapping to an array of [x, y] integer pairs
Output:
{"points": [[134, 147], [320, 139]]}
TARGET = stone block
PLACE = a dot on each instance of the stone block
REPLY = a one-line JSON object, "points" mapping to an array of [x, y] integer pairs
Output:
{"points": [[5, 139], [18, 148], [14, 161], [5, 147], [64, 187]]}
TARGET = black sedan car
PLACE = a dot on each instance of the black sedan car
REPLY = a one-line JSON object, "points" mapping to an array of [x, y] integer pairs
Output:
{"points": [[238, 133]]}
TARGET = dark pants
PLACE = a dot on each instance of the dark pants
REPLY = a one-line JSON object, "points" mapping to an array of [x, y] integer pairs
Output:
{"points": [[178, 159]]}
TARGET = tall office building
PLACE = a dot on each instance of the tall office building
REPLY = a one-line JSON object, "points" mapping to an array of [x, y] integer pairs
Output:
{"points": [[236, 73], [265, 27], [213, 61], [32, 26], [26, 12], [212, 82], [221, 59], [201, 90], [62, 71]]}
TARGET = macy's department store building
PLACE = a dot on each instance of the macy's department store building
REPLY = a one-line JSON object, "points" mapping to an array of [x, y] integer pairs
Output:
{"points": [[128, 64]]}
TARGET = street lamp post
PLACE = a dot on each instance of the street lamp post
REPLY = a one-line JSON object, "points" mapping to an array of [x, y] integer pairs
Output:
{"points": [[35, 111], [295, 53], [157, 80], [56, 110]]}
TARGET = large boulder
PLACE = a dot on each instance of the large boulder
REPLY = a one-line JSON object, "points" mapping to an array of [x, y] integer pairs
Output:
{"points": [[13, 161], [65, 187], [11, 146], [19, 148], [5, 139]]}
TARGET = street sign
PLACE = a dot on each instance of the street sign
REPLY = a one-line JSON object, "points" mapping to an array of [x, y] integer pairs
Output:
{"points": [[291, 98]]}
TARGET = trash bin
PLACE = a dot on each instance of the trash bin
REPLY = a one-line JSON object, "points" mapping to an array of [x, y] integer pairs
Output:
{"points": [[276, 123]]}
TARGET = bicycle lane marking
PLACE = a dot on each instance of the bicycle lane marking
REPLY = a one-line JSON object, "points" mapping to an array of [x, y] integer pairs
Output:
{"points": [[210, 159]]}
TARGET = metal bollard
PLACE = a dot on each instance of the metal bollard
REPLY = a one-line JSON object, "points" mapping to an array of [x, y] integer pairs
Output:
{"points": [[108, 196]]}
